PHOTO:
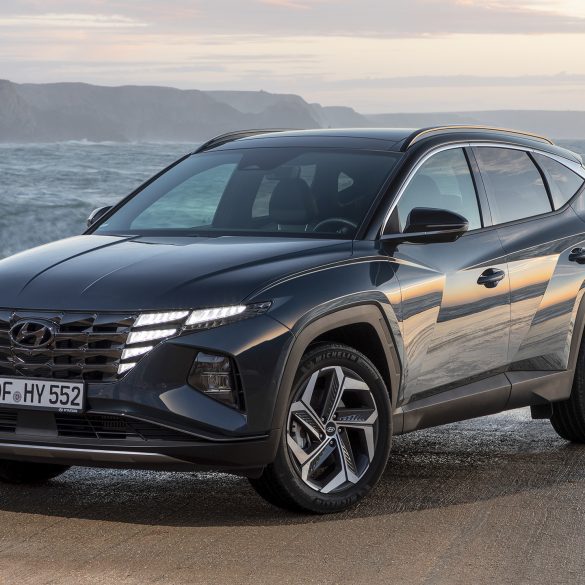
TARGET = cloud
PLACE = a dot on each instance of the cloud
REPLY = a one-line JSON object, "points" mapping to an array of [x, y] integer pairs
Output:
{"points": [[286, 4], [77, 21], [454, 81], [380, 18]]}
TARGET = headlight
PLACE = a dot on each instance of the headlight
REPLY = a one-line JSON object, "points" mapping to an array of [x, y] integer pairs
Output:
{"points": [[147, 336], [147, 319], [218, 315], [150, 329]]}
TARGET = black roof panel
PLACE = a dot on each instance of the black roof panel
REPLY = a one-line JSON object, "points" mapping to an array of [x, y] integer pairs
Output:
{"points": [[389, 139]]}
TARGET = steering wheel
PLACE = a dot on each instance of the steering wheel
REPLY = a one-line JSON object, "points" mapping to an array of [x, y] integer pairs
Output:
{"points": [[334, 220]]}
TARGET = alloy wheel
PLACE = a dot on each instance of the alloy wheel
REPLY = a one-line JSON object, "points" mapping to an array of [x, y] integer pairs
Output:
{"points": [[332, 429]]}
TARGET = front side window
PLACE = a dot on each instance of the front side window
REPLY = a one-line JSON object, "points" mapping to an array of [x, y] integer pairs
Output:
{"points": [[261, 191], [514, 185], [442, 182], [563, 182]]}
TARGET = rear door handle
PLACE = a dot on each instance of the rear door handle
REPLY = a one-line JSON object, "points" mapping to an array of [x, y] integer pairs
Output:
{"points": [[491, 277], [577, 255]]}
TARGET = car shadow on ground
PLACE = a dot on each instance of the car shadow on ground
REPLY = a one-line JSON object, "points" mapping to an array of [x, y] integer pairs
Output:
{"points": [[462, 463]]}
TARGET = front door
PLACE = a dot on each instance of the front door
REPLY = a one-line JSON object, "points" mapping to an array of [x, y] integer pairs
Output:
{"points": [[455, 296]]}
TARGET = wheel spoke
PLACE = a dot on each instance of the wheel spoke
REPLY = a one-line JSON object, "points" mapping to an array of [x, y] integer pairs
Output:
{"points": [[347, 458], [361, 419], [300, 454], [334, 392], [307, 417], [353, 384], [307, 395], [356, 416], [368, 431], [316, 459], [335, 483]]}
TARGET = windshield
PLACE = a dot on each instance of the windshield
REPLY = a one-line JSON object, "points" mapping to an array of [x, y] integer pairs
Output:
{"points": [[261, 191]]}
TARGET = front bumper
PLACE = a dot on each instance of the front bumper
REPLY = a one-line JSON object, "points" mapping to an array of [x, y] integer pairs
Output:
{"points": [[153, 419], [247, 457]]}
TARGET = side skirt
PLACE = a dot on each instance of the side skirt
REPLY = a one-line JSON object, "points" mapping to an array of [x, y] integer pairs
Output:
{"points": [[489, 396]]}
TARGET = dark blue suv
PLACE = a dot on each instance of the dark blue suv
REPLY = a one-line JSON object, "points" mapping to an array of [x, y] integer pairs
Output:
{"points": [[279, 304]]}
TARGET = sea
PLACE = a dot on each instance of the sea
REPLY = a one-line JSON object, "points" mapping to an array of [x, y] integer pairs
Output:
{"points": [[48, 190]]}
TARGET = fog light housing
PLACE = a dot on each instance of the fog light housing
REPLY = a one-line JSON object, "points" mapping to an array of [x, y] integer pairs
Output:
{"points": [[214, 376]]}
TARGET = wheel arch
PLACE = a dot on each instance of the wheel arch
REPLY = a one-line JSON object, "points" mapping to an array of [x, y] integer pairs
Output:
{"points": [[338, 326]]}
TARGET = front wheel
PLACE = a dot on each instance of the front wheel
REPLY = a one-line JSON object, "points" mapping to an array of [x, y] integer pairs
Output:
{"points": [[335, 444], [21, 472]]}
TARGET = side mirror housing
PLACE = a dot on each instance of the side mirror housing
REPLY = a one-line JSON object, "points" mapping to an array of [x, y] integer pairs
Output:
{"points": [[97, 214], [425, 224]]}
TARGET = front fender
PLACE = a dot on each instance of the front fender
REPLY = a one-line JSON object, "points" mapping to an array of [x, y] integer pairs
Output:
{"points": [[371, 314]]}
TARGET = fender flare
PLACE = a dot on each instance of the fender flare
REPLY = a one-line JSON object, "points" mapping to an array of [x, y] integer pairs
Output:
{"points": [[370, 314]]}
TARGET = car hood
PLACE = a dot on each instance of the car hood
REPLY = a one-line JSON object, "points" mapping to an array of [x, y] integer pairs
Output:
{"points": [[108, 273]]}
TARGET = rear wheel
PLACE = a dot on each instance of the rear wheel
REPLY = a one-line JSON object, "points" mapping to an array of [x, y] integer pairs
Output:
{"points": [[25, 472], [568, 418], [336, 440]]}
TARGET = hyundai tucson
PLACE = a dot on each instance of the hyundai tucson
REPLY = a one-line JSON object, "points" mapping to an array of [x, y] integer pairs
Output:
{"points": [[280, 304]]}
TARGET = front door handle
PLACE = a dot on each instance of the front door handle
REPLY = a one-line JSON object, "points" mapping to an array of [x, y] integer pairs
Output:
{"points": [[491, 277], [577, 255]]}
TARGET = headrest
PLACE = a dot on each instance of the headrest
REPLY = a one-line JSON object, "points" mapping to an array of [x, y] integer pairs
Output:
{"points": [[424, 191], [292, 203]]}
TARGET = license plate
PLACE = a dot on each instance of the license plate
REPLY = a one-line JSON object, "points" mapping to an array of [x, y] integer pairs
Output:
{"points": [[42, 394]]}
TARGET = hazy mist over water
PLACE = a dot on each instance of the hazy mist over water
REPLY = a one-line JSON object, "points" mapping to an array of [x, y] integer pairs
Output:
{"points": [[48, 190]]}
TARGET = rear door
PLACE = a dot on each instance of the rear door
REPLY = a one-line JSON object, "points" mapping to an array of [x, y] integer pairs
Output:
{"points": [[543, 238], [455, 296]]}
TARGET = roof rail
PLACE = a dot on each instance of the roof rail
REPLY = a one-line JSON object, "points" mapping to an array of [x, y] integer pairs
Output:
{"points": [[231, 136], [424, 132]]}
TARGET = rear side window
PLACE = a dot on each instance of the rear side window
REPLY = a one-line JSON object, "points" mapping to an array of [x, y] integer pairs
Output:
{"points": [[513, 183], [442, 182], [563, 182]]}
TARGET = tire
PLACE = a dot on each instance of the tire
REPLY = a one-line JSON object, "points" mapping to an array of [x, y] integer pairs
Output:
{"points": [[21, 472], [568, 418], [337, 436]]}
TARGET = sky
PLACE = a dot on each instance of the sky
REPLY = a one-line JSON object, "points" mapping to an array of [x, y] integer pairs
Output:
{"points": [[374, 55]]}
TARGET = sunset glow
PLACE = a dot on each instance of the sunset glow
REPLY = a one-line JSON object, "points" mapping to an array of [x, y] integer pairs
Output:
{"points": [[376, 56]]}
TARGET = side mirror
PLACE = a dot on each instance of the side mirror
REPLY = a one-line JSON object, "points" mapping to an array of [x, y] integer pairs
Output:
{"points": [[97, 214], [425, 224]]}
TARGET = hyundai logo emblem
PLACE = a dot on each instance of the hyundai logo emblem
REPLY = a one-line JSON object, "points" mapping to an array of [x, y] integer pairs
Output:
{"points": [[32, 334]]}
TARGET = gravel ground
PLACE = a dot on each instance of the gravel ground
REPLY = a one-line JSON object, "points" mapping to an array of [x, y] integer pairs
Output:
{"points": [[496, 500]]}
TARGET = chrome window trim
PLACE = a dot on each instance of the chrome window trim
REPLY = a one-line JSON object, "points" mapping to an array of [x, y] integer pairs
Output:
{"points": [[571, 165]]}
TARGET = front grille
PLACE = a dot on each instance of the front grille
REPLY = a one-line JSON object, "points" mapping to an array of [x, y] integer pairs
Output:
{"points": [[88, 426], [99, 426], [87, 346], [8, 421]]}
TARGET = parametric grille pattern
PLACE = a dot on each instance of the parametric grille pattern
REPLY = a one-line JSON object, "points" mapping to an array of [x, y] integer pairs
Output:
{"points": [[8, 421], [99, 426], [86, 346], [91, 426]]}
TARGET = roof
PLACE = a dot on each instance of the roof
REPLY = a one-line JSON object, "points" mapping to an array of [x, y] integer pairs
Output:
{"points": [[391, 139]]}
